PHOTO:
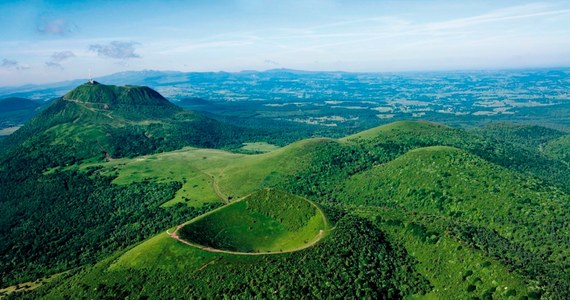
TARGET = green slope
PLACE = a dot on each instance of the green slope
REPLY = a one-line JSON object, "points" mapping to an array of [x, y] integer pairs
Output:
{"points": [[420, 128], [456, 270], [399, 137], [530, 137], [210, 175], [524, 213], [40, 184], [354, 261], [451, 182], [99, 121], [559, 149], [460, 203]]}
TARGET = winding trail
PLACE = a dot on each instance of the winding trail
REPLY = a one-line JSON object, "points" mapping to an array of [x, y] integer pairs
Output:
{"points": [[84, 104], [216, 188], [208, 263]]}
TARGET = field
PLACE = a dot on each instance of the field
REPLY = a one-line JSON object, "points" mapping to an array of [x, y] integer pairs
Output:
{"points": [[28, 286], [210, 175], [194, 168], [8, 130]]}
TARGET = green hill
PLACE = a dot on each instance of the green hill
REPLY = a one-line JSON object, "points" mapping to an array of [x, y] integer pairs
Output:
{"points": [[38, 180], [416, 208], [98, 121], [399, 137], [354, 261], [417, 128], [515, 219], [451, 182], [97, 93]]}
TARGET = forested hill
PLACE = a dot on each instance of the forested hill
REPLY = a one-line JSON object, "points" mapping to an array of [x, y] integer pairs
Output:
{"points": [[97, 121], [94, 122], [416, 208]]}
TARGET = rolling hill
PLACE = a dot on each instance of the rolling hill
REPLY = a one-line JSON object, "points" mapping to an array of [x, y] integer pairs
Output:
{"points": [[400, 137], [415, 208], [464, 189]]}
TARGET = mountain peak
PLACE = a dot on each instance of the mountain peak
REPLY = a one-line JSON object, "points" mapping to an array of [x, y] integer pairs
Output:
{"points": [[97, 93]]}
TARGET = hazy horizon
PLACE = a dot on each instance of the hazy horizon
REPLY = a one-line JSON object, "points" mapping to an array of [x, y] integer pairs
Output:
{"points": [[474, 70], [52, 41]]}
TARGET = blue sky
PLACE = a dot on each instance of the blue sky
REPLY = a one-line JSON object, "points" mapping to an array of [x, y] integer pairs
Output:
{"points": [[48, 41]]}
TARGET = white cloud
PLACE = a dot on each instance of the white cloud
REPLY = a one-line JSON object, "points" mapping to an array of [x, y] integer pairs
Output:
{"points": [[116, 49]]}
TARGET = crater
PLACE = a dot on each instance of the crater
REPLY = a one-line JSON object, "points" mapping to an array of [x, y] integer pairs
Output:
{"points": [[267, 221]]}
